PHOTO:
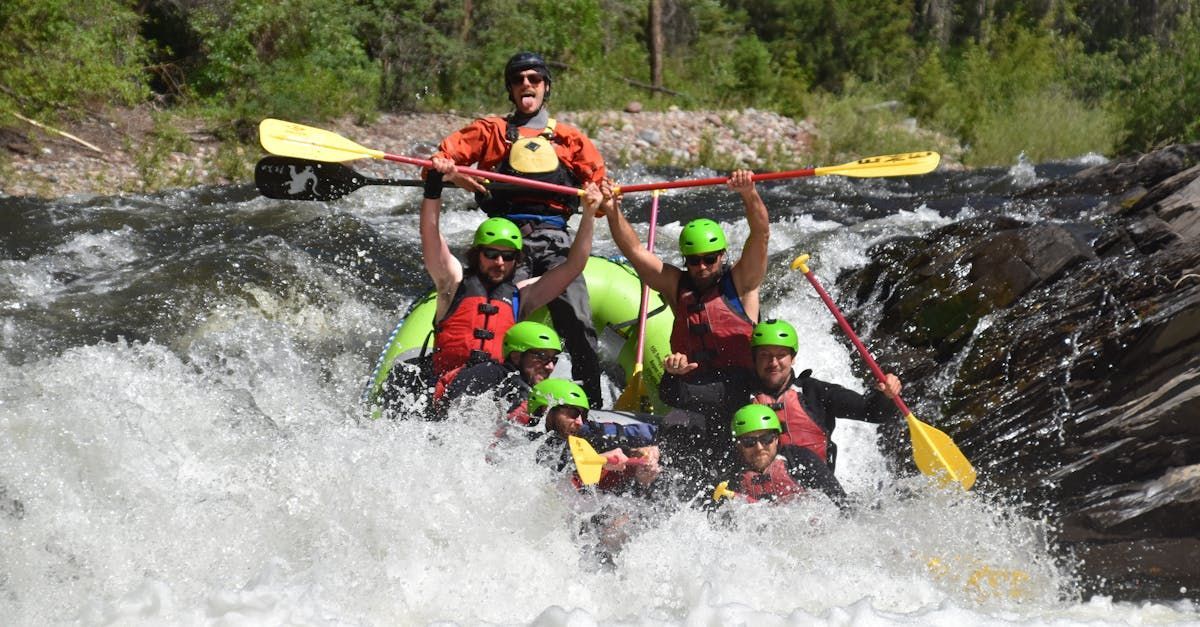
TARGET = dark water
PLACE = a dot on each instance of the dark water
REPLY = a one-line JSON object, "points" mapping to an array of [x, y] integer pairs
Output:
{"points": [[78, 271]]}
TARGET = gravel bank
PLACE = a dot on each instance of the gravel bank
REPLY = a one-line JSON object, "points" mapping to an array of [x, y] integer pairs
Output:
{"points": [[135, 153]]}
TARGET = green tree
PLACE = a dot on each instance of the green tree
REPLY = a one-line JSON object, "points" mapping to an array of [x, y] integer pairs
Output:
{"points": [[1160, 101], [60, 57], [297, 59]]}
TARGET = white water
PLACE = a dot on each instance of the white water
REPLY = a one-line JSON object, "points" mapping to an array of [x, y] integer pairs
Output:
{"points": [[238, 486]]}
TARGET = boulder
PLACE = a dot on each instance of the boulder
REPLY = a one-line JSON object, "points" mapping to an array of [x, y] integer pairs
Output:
{"points": [[1065, 359]]}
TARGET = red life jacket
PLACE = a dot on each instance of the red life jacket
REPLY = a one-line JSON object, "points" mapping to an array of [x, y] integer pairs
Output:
{"points": [[799, 428], [476, 321], [711, 327], [520, 415], [533, 157], [774, 484]]}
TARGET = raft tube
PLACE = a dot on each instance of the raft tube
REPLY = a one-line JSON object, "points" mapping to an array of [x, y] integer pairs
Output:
{"points": [[615, 293]]}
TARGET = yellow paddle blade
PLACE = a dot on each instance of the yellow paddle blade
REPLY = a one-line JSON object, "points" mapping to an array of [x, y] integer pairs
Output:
{"points": [[905, 164], [634, 394], [723, 492], [936, 455], [984, 581], [588, 462], [289, 139]]}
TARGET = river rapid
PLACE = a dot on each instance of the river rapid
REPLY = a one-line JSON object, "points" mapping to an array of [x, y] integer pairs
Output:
{"points": [[182, 439]]}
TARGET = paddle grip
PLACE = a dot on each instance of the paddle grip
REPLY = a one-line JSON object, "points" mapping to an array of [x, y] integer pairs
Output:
{"points": [[862, 349]]}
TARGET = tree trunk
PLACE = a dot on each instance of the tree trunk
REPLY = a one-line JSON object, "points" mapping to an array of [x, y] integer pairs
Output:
{"points": [[465, 31], [656, 44]]}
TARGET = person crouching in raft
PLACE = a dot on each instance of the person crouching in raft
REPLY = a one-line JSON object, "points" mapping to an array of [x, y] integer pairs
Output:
{"points": [[530, 144], [808, 407], [632, 453], [530, 351], [768, 470], [476, 308], [715, 304], [631, 468]]}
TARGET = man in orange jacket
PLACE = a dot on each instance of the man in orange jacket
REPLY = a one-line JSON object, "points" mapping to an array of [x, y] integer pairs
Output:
{"points": [[531, 144]]}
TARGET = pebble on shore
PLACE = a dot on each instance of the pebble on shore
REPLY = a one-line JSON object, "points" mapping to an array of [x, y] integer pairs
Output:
{"points": [[42, 163]]}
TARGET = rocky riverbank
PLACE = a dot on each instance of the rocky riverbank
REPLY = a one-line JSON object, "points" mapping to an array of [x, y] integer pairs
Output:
{"points": [[1065, 349], [140, 150]]}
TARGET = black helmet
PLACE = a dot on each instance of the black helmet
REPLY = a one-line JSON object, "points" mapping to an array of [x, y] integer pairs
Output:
{"points": [[522, 61]]}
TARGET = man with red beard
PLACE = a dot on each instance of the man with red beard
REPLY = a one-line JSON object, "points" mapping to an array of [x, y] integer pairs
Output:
{"points": [[807, 407], [766, 469], [476, 307], [531, 144], [715, 303]]}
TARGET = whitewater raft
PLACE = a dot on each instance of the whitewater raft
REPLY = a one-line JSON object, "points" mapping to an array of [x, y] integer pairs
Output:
{"points": [[615, 293]]}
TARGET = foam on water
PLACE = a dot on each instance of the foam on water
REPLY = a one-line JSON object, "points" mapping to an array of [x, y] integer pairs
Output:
{"points": [[227, 477]]}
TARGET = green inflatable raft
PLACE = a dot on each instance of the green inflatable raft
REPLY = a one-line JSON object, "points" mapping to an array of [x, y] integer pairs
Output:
{"points": [[615, 294]]}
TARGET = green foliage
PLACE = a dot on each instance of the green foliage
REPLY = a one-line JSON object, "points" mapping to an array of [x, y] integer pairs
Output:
{"points": [[153, 158], [1044, 125], [1160, 101], [1051, 79], [1016, 92], [297, 59], [832, 40], [60, 57], [864, 121]]}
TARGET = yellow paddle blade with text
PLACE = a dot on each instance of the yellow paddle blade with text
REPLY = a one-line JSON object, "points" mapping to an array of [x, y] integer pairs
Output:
{"points": [[588, 462], [289, 139]]}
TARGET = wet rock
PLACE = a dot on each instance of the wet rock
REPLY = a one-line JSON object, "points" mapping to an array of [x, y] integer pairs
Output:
{"points": [[1066, 358]]}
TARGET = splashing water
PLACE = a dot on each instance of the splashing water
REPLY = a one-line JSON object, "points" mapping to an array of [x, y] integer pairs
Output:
{"points": [[183, 445]]}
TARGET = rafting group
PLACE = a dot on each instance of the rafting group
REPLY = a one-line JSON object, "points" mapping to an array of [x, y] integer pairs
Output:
{"points": [[749, 422], [739, 422]]}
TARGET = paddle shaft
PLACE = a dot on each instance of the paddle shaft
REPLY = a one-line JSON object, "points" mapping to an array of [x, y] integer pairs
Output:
{"points": [[491, 176], [716, 180], [862, 349], [641, 344]]}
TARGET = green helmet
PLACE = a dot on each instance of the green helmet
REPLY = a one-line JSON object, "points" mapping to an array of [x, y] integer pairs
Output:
{"points": [[701, 236], [529, 335], [775, 333], [755, 417], [550, 393], [499, 232]]}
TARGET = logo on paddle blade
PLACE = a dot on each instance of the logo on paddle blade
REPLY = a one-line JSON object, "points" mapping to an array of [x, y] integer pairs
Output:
{"points": [[300, 180]]}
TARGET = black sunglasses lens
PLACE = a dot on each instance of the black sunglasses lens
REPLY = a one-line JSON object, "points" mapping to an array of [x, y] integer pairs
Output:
{"points": [[750, 440], [694, 260], [507, 255]]}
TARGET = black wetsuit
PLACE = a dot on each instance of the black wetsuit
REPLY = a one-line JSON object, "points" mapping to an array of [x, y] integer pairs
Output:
{"points": [[719, 394], [504, 381]]}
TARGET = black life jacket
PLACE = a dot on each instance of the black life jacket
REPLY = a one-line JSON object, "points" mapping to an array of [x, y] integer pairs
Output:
{"points": [[534, 158]]}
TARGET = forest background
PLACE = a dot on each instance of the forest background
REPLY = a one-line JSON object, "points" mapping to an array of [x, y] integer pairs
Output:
{"points": [[1052, 79]]}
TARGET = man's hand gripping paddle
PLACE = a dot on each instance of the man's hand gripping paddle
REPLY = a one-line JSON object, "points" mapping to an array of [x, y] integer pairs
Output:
{"points": [[589, 463]]}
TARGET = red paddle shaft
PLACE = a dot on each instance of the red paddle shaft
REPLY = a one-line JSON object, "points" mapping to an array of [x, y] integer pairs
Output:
{"points": [[862, 350]]}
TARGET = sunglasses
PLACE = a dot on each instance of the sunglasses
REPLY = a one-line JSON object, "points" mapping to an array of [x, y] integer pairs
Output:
{"points": [[543, 357], [708, 260], [493, 254], [765, 440], [533, 79], [570, 411]]}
